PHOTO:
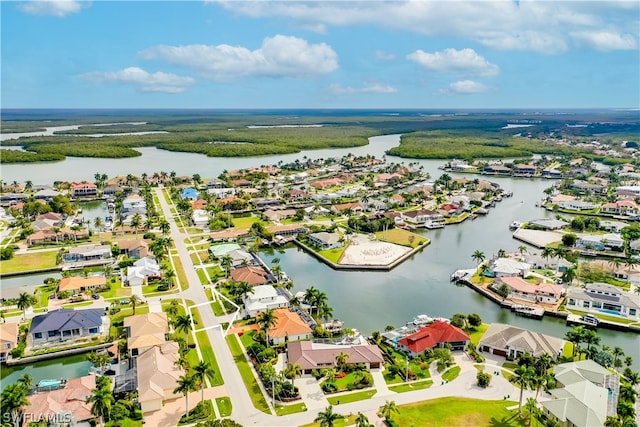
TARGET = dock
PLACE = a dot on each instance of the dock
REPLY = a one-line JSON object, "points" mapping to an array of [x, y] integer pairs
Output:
{"points": [[528, 311]]}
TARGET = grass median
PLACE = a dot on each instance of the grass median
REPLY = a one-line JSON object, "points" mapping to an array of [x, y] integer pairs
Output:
{"points": [[250, 381]]}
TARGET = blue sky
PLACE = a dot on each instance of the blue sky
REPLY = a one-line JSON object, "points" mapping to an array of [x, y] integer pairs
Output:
{"points": [[316, 54]]}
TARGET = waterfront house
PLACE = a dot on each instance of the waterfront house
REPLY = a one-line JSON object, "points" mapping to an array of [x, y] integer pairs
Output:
{"points": [[522, 170], [145, 331], [511, 341], [324, 240], [264, 297], [621, 207], [355, 208], [230, 235], [56, 235], [65, 325], [310, 355], [435, 335], [576, 205], [600, 242], [508, 267], [496, 170], [65, 406], [551, 173], [252, 275], [157, 375], [222, 249], [241, 258], [78, 284], [87, 253], [221, 193], [133, 248], [289, 326], [586, 394], [46, 194], [588, 188], [8, 339], [604, 298], [111, 190], [424, 218], [547, 224], [286, 231], [314, 211], [133, 204], [83, 189], [520, 289], [278, 215]]}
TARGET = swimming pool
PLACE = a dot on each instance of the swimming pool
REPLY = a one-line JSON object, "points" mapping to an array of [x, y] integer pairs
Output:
{"points": [[49, 383], [612, 312]]}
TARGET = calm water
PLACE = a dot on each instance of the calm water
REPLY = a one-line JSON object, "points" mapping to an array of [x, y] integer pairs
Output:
{"points": [[62, 367], [367, 301]]}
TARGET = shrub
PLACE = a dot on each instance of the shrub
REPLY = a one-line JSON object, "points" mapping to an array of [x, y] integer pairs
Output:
{"points": [[329, 387], [483, 379]]}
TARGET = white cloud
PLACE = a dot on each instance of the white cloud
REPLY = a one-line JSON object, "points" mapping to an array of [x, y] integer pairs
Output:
{"points": [[279, 56], [467, 87], [384, 56], [464, 61], [525, 25], [605, 41], [143, 80], [337, 89], [57, 8]]}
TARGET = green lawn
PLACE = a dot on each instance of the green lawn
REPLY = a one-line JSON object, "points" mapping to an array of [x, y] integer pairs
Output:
{"points": [[29, 261], [77, 304], [351, 397], [476, 333], [202, 276], [617, 319], [418, 385], [115, 289], [451, 374], [454, 411], [290, 409], [224, 406], [182, 277], [333, 255], [217, 308], [567, 350], [127, 422], [43, 293], [209, 356], [247, 338], [342, 383], [401, 237], [244, 222], [341, 422], [249, 379]]}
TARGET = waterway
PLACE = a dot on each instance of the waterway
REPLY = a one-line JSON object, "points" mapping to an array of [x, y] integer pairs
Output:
{"points": [[63, 367], [367, 301]]}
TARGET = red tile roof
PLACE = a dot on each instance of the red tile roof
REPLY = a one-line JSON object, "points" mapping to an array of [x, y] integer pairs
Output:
{"points": [[432, 335]]}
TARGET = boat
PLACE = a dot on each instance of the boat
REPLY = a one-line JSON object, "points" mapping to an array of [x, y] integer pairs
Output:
{"points": [[528, 311], [587, 320], [421, 319], [515, 225]]}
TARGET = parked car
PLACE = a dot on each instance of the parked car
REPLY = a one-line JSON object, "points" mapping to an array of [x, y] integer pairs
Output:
{"points": [[95, 296]]}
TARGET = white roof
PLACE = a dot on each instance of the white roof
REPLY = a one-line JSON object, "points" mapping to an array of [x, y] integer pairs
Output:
{"points": [[508, 265]]}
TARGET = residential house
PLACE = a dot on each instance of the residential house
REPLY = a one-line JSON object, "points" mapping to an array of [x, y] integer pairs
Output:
{"points": [[252, 275], [287, 230], [588, 188], [145, 331], [546, 293], [435, 335], [84, 188], [222, 249], [548, 224], [576, 205], [324, 240], [78, 284], [241, 258], [496, 170], [56, 235], [289, 326], [537, 261], [551, 174], [327, 183], [311, 356], [522, 170], [621, 207], [87, 253], [134, 248], [316, 211], [8, 339], [604, 298], [133, 204], [601, 242], [295, 194], [424, 218], [355, 208], [142, 270], [279, 215], [508, 267], [221, 193], [511, 341], [230, 235], [586, 395], [66, 325], [200, 217], [46, 194], [111, 190], [189, 193], [157, 376], [65, 406], [264, 297]]}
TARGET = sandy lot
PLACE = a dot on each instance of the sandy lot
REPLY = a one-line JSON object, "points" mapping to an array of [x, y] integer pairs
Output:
{"points": [[364, 251]]}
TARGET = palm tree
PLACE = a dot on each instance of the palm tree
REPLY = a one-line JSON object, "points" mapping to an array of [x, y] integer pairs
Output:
{"points": [[362, 420], [25, 301], [327, 418], [627, 392], [241, 290], [26, 381], [98, 223], [478, 256], [186, 384], [134, 300], [292, 372], [266, 320], [522, 378], [226, 262], [388, 409], [569, 275], [165, 227], [590, 337], [173, 309], [522, 249], [341, 360], [531, 406], [136, 221], [547, 252], [14, 398], [182, 323], [575, 336], [203, 371], [102, 400]]}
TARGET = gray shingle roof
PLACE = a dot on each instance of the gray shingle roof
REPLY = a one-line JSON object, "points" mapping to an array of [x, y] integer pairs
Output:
{"points": [[67, 319]]}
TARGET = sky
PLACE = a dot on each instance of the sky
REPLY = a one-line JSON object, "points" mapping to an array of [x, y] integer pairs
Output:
{"points": [[320, 54]]}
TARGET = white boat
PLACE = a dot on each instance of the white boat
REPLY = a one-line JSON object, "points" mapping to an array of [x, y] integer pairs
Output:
{"points": [[515, 225], [422, 319]]}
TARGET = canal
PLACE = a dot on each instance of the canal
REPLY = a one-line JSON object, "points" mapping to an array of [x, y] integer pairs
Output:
{"points": [[365, 300]]}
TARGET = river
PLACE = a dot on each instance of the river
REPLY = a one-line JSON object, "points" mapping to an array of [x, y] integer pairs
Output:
{"points": [[368, 301]]}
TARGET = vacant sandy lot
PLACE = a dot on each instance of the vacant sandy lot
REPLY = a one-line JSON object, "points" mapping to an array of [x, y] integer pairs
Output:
{"points": [[364, 251]]}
